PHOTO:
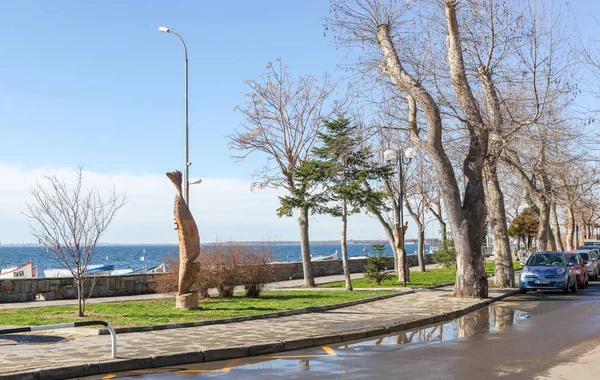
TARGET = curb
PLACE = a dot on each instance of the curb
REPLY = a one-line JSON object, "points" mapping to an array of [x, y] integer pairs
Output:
{"points": [[306, 310], [225, 353]]}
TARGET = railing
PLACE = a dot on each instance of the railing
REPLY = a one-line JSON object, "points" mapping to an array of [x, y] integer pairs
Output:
{"points": [[113, 335]]}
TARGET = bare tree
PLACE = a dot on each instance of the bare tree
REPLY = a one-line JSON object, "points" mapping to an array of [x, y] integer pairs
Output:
{"points": [[69, 221], [282, 118], [378, 23], [420, 188]]}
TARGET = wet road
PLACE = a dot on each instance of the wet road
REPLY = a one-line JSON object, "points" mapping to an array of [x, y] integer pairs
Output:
{"points": [[540, 335]]}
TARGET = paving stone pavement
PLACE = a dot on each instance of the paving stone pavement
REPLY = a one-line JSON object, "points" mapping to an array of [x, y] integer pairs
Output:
{"points": [[91, 354]]}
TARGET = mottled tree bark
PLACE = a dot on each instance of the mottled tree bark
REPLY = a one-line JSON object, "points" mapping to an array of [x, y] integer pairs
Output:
{"points": [[465, 217], [401, 264], [504, 274]]}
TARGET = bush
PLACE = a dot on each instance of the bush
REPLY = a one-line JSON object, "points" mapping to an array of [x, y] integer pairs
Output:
{"points": [[224, 266], [375, 269], [446, 256]]}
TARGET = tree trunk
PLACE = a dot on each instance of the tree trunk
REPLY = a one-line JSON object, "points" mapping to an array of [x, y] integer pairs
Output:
{"points": [[345, 263], [309, 280], [80, 308], [421, 249], [570, 228], [390, 235], [401, 264], [556, 230], [504, 275], [544, 231], [443, 231]]}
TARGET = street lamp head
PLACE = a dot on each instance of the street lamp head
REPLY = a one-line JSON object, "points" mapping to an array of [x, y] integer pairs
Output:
{"points": [[391, 156], [163, 29], [410, 153], [195, 181]]}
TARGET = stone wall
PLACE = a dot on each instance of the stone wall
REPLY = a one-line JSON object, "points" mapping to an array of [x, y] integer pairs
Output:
{"points": [[56, 288], [293, 271], [39, 289]]}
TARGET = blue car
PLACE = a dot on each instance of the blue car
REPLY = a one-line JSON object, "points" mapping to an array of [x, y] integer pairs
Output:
{"points": [[548, 270]]}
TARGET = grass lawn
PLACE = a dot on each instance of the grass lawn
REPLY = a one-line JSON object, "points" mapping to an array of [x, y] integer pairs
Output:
{"points": [[432, 277], [162, 311]]}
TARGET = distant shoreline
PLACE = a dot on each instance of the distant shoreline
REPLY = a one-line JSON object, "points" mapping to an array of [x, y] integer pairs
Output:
{"points": [[259, 242]]}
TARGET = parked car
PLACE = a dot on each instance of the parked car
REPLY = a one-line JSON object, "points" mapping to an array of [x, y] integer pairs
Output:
{"points": [[548, 270], [581, 269], [592, 262]]}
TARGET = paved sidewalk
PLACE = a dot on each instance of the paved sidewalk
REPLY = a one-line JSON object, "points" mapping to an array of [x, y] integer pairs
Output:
{"points": [[88, 355], [289, 284]]}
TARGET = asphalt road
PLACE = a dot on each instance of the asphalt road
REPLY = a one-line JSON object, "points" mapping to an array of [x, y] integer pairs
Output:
{"points": [[540, 335]]}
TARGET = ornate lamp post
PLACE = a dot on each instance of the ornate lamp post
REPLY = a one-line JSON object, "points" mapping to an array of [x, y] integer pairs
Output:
{"points": [[394, 157]]}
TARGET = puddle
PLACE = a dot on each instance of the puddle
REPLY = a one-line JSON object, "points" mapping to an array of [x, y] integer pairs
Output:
{"points": [[482, 321], [9, 339]]}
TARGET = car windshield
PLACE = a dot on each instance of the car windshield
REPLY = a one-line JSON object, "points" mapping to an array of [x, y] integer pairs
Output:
{"points": [[573, 259], [541, 259], [585, 255]]}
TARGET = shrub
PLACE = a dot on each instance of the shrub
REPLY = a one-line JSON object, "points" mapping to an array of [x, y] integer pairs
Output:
{"points": [[446, 256], [255, 271], [224, 266], [375, 269]]}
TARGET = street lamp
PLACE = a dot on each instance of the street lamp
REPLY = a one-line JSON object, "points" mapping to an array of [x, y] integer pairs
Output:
{"points": [[186, 183], [394, 157]]}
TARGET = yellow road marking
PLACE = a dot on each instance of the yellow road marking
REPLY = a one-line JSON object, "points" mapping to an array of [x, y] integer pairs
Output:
{"points": [[109, 376], [327, 349]]}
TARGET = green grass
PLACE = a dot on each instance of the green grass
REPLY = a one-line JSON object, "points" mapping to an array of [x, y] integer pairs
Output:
{"points": [[162, 311], [432, 277]]}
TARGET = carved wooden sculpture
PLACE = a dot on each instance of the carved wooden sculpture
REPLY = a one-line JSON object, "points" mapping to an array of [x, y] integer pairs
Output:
{"points": [[189, 248]]}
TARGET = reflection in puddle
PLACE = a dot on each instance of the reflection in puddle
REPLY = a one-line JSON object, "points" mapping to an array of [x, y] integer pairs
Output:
{"points": [[490, 319]]}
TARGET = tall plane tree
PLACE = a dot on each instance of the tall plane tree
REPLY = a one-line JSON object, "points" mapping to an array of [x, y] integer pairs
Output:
{"points": [[282, 118], [380, 22]]}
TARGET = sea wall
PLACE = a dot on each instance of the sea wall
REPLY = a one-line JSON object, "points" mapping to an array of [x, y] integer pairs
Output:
{"points": [[57, 288], [293, 271], [40, 289]]}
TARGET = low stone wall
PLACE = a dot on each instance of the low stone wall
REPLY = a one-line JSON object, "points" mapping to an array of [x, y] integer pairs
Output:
{"points": [[57, 288], [32, 289], [293, 271]]}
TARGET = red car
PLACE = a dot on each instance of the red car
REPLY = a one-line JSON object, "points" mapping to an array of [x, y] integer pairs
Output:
{"points": [[578, 264]]}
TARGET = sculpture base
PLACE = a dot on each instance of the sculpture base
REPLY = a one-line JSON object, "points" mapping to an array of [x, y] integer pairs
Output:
{"points": [[187, 301]]}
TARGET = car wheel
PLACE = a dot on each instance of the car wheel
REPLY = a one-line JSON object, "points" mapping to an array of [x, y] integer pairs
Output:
{"points": [[522, 290], [566, 289]]}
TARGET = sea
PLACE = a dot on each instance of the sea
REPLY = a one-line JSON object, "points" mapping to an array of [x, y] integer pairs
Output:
{"points": [[140, 256]]}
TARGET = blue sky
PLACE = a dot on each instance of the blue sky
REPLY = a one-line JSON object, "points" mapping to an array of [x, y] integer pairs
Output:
{"points": [[94, 83]]}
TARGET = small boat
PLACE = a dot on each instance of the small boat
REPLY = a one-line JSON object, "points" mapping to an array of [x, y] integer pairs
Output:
{"points": [[23, 271], [92, 270], [333, 256]]}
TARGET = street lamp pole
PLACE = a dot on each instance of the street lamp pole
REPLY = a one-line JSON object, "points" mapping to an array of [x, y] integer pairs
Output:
{"points": [[186, 182], [393, 157]]}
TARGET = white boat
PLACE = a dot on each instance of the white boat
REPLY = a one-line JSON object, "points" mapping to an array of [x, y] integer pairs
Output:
{"points": [[91, 270], [23, 271], [333, 256]]}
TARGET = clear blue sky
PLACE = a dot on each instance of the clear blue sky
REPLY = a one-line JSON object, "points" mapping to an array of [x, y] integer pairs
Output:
{"points": [[95, 83]]}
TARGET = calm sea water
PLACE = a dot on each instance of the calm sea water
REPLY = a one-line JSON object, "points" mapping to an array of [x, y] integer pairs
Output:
{"points": [[138, 256]]}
